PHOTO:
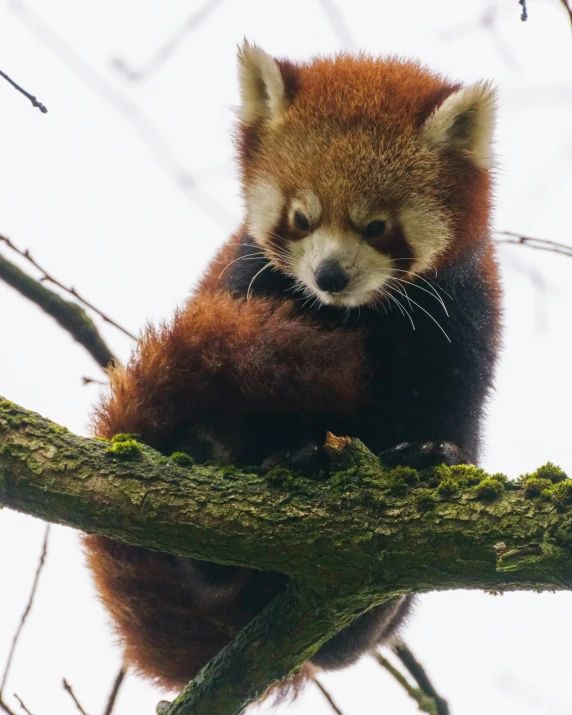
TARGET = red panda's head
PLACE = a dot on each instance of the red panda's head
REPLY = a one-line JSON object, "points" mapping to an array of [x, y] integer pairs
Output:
{"points": [[359, 171]]}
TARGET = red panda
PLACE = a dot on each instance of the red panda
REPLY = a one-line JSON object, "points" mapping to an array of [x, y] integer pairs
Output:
{"points": [[360, 296]]}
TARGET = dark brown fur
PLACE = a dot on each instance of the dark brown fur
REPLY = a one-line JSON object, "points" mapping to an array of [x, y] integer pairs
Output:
{"points": [[230, 365]]}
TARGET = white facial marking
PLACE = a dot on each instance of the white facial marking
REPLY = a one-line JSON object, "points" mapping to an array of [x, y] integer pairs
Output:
{"points": [[264, 205], [361, 216], [308, 204], [426, 230], [366, 268]]}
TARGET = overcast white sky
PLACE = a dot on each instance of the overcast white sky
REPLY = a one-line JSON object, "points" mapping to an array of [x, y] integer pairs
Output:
{"points": [[95, 189]]}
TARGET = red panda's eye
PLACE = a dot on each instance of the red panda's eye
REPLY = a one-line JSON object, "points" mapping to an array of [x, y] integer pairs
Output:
{"points": [[374, 229], [301, 222]]}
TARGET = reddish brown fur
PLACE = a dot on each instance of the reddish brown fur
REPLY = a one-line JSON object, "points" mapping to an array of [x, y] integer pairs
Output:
{"points": [[221, 359], [362, 117]]}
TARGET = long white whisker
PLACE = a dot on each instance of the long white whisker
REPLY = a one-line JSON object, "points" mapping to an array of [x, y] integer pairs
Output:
{"points": [[268, 265], [402, 309], [240, 258], [434, 295], [433, 286], [432, 318]]}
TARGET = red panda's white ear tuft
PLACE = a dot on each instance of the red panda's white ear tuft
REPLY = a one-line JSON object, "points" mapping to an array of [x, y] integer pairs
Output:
{"points": [[262, 88], [465, 121]]}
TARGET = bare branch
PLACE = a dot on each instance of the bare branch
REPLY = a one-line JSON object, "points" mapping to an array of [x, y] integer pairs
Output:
{"points": [[136, 119], [327, 695], [46, 277], [166, 50], [417, 671], [568, 7], [68, 688], [5, 708], [115, 691], [487, 20], [33, 100], [131, 493], [70, 316], [339, 25], [540, 244], [26, 610], [92, 381], [22, 705]]}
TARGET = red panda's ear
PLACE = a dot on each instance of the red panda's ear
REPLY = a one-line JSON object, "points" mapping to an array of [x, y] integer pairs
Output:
{"points": [[262, 90], [465, 122]]}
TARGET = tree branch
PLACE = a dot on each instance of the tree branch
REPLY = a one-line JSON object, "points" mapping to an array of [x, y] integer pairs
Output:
{"points": [[540, 244], [417, 671], [167, 48], [70, 316], [349, 543], [72, 291], [27, 610], [43, 109], [117, 683], [425, 703], [68, 688]]}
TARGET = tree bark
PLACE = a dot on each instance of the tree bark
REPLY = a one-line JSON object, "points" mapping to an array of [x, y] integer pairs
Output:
{"points": [[350, 542]]}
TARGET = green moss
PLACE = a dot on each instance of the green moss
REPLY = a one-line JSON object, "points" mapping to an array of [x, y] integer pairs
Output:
{"points": [[561, 493], [489, 489], [182, 459], [535, 487], [552, 472], [425, 500], [124, 437], [448, 488], [280, 477], [125, 449], [343, 479]]}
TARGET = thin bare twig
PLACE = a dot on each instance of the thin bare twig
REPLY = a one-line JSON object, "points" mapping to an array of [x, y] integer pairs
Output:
{"points": [[22, 705], [136, 119], [26, 610], [114, 691], [540, 244], [35, 103], [46, 277], [174, 41], [70, 316], [417, 671], [568, 7], [524, 13], [328, 697], [92, 381], [68, 688], [338, 24], [487, 20]]}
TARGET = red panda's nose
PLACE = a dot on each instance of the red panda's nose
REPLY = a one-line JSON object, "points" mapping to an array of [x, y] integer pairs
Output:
{"points": [[331, 277]]}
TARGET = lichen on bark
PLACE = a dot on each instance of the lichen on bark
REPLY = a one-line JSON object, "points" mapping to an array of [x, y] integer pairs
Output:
{"points": [[348, 543]]}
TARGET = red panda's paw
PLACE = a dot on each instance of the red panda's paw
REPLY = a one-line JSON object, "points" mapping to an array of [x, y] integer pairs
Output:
{"points": [[310, 460], [421, 455]]}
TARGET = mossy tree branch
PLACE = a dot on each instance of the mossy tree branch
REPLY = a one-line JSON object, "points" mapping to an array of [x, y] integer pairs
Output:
{"points": [[350, 542]]}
